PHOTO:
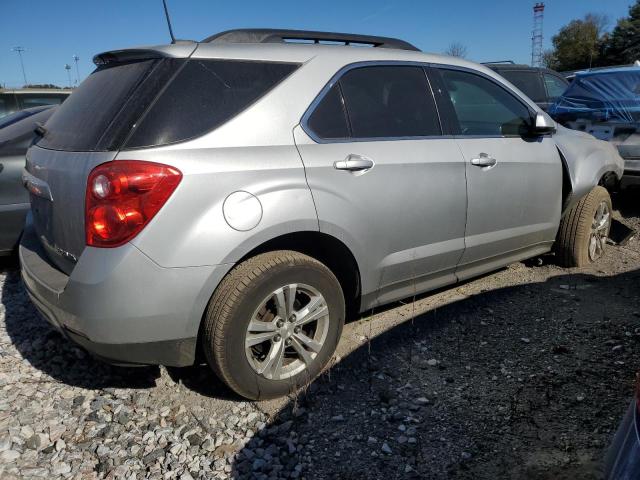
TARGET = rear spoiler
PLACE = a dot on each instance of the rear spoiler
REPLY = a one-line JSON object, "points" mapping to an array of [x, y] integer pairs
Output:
{"points": [[181, 49]]}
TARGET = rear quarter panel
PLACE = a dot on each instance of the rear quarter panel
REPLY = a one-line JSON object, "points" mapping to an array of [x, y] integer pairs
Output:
{"points": [[191, 229]]}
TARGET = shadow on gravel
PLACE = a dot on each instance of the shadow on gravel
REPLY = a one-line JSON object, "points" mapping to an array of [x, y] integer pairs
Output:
{"points": [[202, 380], [47, 350], [628, 202], [525, 382]]}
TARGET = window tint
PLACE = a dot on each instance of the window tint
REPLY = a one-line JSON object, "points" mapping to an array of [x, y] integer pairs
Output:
{"points": [[528, 81], [83, 118], [157, 101], [389, 101], [483, 107], [204, 95], [329, 119], [555, 86]]}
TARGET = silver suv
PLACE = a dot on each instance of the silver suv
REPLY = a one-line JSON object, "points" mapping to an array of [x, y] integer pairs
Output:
{"points": [[241, 196]]}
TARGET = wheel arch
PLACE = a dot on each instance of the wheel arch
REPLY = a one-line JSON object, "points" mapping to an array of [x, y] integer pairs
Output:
{"points": [[321, 246], [326, 249]]}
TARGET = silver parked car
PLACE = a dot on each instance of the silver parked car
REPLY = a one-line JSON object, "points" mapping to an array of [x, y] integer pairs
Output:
{"points": [[16, 136], [243, 195]]}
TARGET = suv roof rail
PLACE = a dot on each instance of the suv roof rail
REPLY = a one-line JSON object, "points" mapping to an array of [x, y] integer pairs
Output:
{"points": [[511, 62], [268, 35]]}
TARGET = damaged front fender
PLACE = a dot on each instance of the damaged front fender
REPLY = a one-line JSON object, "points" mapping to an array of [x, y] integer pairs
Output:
{"points": [[587, 161]]}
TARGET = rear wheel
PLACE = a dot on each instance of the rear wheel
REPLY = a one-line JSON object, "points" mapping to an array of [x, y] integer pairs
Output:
{"points": [[584, 230], [273, 324]]}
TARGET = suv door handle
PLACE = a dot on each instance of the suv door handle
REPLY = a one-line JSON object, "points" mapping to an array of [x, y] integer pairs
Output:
{"points": [[484, 160], [354, 163]]}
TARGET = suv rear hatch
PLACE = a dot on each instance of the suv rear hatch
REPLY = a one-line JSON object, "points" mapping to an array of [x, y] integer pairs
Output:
{"points": [[134, 99], [88, 129]]}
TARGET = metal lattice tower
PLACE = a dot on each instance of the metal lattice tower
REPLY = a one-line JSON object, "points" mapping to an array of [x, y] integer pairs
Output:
{"points": [[536, 36]]}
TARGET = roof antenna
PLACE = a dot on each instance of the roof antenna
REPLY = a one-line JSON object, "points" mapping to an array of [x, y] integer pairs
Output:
{"points": [[166, 13]]}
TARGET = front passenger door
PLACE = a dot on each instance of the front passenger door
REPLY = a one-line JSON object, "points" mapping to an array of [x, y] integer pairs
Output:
{"points": [[514, 180]]}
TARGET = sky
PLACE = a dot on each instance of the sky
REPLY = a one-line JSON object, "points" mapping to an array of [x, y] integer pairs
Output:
{"points": [[52, 32]]}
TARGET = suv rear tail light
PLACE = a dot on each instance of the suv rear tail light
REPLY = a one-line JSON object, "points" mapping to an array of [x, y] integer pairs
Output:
{"points": [[123, 196]]}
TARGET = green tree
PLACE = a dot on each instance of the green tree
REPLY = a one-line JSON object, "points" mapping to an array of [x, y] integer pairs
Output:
{"points": [[577, 45], [622, 46]]}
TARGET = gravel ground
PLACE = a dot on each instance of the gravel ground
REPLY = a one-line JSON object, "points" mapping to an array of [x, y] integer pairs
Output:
{"points": [[524, 373]]}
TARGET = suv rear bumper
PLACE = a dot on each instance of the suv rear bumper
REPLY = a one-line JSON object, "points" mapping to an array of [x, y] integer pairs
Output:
{"points": [[120, 305]]}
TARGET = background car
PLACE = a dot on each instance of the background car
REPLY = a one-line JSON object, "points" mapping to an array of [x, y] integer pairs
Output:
{"points": [[14, 100], [623, 458], [541, 85], [16, 136], [606, 104]]}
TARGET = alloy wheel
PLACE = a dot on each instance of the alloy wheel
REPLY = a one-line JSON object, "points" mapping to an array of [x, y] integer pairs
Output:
{"points": [[287, 331], [599, 231]]}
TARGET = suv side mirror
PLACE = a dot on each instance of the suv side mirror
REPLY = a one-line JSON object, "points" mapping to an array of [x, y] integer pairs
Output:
{"points": [[543, 124]]}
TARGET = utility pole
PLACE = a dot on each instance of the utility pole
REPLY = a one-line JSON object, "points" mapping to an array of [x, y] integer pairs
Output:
{"points": [[75, 59], [536, 36], [67, 67], [19, 50]]}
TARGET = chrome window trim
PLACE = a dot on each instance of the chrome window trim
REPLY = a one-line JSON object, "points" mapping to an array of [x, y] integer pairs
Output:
{"points": [[370, 63]]}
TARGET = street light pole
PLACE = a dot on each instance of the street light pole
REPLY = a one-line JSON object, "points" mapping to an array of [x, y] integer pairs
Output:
{"points": [[67, 67], [75, 59], [19, 50]]}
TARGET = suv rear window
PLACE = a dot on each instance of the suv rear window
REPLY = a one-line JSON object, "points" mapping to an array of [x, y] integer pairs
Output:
{"points": [[157, 101], [82, 120]]}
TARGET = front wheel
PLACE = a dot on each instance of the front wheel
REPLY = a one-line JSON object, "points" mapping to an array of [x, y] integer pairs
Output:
{"points": [[584, 230], [273, 324]]}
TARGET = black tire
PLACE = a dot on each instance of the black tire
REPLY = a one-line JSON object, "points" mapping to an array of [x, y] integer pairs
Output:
{"points": [[572, 244], [236, 299]]}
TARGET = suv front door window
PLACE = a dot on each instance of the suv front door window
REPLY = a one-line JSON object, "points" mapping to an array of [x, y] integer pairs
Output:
{"points": [[514, 180]]}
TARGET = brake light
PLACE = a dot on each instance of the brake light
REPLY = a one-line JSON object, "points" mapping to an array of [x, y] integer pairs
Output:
{"points": [[123, 196]]}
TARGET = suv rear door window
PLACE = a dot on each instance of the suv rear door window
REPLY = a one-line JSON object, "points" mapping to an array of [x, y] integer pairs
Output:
{"points": [[329, 119], [483, 107], [528, 81], [389, 101]]}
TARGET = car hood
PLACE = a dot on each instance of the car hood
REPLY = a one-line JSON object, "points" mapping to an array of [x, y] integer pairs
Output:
{"points": [[586, 159]]}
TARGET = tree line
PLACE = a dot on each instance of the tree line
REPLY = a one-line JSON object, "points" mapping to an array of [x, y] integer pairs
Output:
{"points": [[586, 43]]}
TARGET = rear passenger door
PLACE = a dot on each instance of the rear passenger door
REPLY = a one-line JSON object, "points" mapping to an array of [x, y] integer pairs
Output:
{"points": [[384, 179], [514, 179]]}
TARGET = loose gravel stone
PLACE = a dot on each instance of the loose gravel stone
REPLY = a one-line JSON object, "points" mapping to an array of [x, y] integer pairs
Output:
{"points": [[445, 393]]}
